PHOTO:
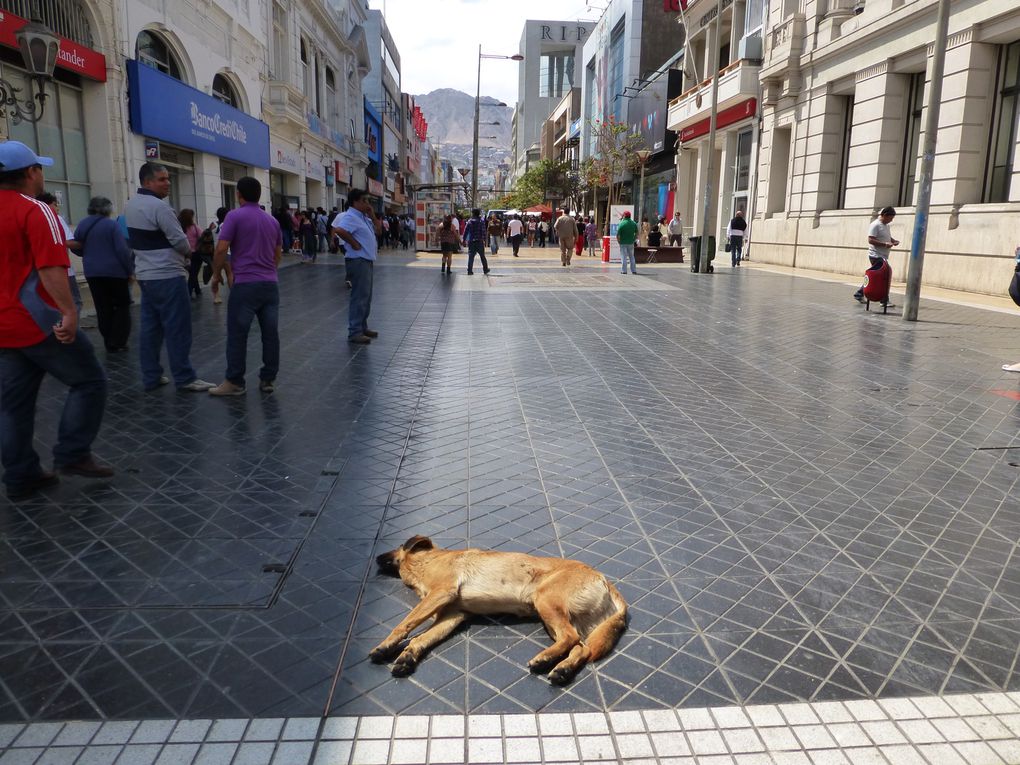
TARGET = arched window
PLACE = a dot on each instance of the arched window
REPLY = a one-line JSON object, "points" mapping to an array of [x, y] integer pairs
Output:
{"points": [[224, 91], [152, 50]]}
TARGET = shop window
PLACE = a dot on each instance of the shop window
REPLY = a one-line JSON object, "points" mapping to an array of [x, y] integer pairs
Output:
{"points": [[152, 50], [1002, 148], [279, 42], [224, 91], [307, 76], [742, 174], [912, 139]]}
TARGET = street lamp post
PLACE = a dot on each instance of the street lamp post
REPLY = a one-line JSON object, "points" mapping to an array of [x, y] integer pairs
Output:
{"points": [[642, 155], [478, 100], [39, 50]]}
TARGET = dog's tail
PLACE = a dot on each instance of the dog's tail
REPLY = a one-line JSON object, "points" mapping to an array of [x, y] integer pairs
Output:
{"points": [[602, 639]]}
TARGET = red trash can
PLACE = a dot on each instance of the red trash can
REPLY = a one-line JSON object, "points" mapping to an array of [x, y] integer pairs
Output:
{"points": [[605, 249]]}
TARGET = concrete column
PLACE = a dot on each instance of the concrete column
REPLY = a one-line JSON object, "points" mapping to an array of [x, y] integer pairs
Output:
{"points": [[822, 150], [876, 151], [968, 101], [727, 157]]}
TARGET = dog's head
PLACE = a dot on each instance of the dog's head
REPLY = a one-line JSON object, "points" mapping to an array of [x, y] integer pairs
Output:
{"points": [[389, 562]]}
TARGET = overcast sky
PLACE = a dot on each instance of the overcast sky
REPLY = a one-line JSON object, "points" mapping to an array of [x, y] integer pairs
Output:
{"points": [[438, 39]]}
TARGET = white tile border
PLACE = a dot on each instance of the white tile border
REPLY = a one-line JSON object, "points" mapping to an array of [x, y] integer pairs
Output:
{"points": [[969, 729]]}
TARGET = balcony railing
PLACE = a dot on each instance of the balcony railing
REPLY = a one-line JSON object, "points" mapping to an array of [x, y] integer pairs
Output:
{"points": [[284, 102], [737, 82]]}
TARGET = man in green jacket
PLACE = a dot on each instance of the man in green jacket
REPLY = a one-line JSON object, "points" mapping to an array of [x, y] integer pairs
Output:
{"points": [[626, 234]]}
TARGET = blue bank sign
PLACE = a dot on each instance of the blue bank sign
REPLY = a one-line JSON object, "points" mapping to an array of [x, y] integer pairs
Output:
{"points": [[169, 110]]}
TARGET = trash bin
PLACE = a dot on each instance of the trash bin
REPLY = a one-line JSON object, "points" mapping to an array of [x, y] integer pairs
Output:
{"points": [[696, 253]]}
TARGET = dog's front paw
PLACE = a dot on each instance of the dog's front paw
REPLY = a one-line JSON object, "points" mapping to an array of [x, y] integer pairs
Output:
{"points": [[381, 653], [540, 666], [403, 666]]}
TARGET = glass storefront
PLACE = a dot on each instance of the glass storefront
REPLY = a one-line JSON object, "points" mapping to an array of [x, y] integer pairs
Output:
{"points": [[59, 134]]}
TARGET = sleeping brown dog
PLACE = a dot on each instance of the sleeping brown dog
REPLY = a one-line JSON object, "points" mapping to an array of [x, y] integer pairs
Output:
{"points": [[582, 612]]}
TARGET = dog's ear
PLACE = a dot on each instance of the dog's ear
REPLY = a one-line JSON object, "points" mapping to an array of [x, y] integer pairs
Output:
{"points": [[417, 542]]}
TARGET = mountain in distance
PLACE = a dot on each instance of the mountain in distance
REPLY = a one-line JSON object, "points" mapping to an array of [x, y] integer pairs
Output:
{"points": [[451, 117]]}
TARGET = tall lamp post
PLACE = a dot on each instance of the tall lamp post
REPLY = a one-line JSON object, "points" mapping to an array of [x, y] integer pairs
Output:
{"points": [[478, 99], [642, 155], [39, 49]]}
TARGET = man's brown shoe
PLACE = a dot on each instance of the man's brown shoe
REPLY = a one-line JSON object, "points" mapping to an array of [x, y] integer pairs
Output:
{"points": [[44, 480], [370, 333], [359, 339], [88, 468]]}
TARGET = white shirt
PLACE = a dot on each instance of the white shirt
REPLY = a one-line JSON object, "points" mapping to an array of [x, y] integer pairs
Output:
{"points": [[515, 227], [68, 236], [881, 232]]}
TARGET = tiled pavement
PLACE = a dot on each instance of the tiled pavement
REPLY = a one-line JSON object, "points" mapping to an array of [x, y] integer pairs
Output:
{"points": [[800, 501]]}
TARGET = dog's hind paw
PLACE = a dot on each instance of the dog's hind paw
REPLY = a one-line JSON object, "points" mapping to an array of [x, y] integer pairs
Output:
{"points": [[403, 666], [541, 666], [561, 675]]}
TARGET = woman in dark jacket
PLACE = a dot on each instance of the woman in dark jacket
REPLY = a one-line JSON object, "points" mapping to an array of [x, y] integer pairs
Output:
{"points": [[108, 265]]}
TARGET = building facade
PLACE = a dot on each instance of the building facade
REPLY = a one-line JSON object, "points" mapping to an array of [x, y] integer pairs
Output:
{"points": [[552, 52], [736, 42], [844, 108], [317, 56]]}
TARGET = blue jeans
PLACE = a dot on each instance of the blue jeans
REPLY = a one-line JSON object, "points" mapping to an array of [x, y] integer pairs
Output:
{"points": [[21, 374], [477, 247], [165, 315], [246, 302], [494, 244], [359, 274], [627, 254]]}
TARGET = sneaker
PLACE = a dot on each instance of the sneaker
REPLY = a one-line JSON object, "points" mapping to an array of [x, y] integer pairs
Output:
{"points": [[44, 480], [370, 333], [1011, 367], [859, 298], [267, 386], [164, 380], [227, 388], [197, 386], [217, 300], [359, 339], [88, 468]]}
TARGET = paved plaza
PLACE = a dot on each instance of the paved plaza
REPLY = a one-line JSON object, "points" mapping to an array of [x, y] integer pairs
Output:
{"points": [[807, 507]]}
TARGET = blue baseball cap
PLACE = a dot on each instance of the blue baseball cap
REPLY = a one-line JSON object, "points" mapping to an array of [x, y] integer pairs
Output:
{"points": [[14, 155]]}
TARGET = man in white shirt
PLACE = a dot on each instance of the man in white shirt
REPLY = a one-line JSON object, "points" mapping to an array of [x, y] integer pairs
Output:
{"points": [[676, 231], [515, 232], [880, 241]]}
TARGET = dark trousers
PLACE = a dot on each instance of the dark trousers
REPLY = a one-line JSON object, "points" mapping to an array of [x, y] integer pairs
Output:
{"points": [[112, 298], [359, 274], [21, 374], [194, 267], [477, 247], [676, 240], [248, 301], [515, 242], [541, 238]]}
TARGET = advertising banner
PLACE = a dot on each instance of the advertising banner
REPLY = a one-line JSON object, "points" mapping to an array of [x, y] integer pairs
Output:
{"points": [[170, 111], [285, 159], [615, 216]]}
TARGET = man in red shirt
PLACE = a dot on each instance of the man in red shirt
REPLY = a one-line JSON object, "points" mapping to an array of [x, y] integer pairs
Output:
{"points": [[39, 334]]}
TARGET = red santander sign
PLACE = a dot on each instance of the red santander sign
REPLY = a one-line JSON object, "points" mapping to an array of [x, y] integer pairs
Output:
{"points": [[674, 5], [72, 56]]}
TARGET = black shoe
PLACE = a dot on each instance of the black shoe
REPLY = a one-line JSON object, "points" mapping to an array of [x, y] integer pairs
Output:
{"points": [[370, 333], [471, 273], [359, 339], [44, 480], [88, 468], [859, 298], [485, 271]]}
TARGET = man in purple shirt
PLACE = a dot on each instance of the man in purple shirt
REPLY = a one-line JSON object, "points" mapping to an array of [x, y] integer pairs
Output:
{"points": [[256, 246]]}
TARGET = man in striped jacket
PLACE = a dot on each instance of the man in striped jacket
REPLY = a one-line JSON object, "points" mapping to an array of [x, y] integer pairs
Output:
{"points": [[161, 255]]}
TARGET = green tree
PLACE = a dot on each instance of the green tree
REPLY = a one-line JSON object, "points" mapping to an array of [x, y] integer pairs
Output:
{"points": [[534, 187], [615, 152]]}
